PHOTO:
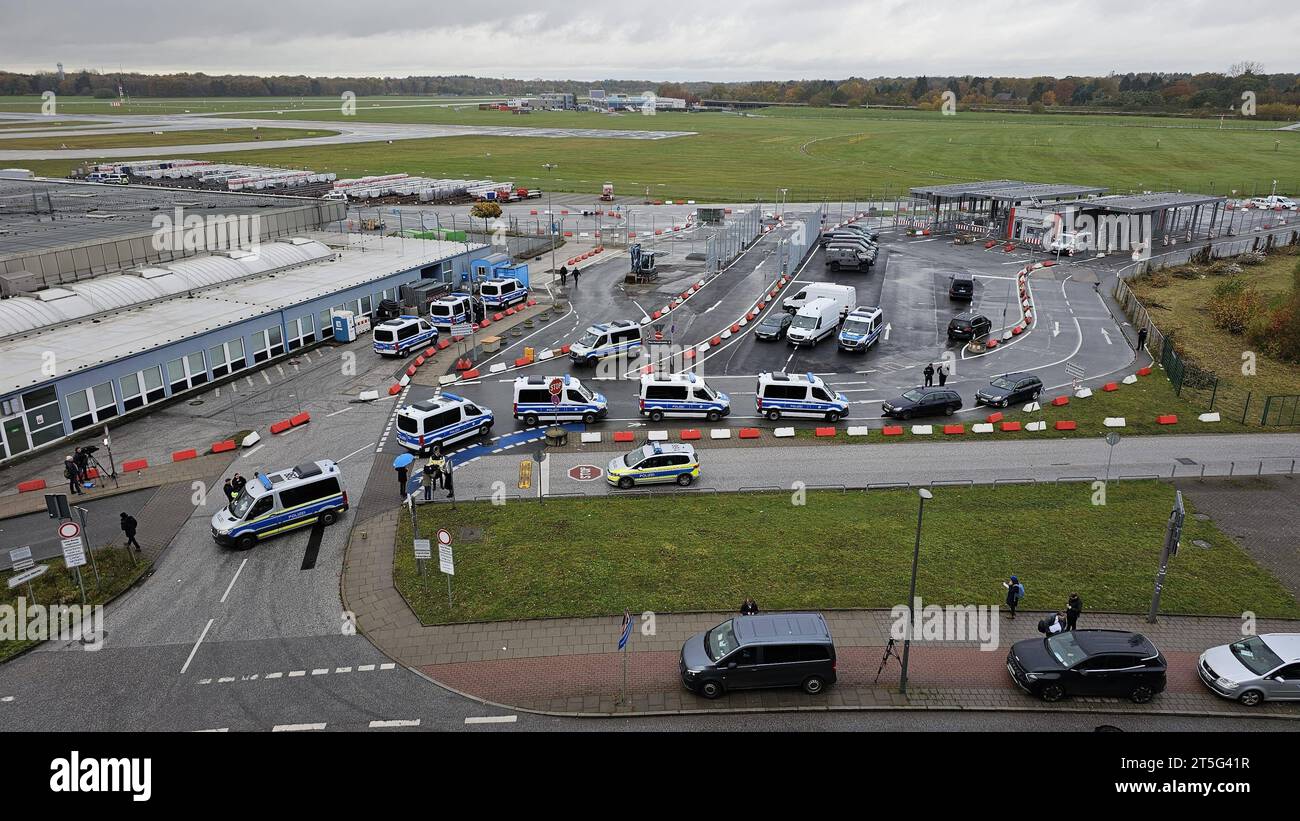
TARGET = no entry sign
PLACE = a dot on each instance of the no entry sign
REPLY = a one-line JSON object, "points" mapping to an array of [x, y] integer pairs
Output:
{"points": [[585, 473]]}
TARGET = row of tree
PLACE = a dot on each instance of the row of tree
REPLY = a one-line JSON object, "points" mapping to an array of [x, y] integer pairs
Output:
{"points": [[1274, 95]]}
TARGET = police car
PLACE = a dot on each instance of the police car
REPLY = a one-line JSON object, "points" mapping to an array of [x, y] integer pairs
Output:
{"points": [[443, 420], [276, 502], [652, 463], [453, 309], [400, 336], [502, 293], [681, 394], [534, 403], [861, 329], [782, 394], [609, 339]]}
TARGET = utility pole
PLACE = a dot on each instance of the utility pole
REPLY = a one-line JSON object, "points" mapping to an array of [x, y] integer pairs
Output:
{"points": [[1173, 532], [924, 493]]}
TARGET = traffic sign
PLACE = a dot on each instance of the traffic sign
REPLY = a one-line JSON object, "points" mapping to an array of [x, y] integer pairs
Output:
{"points": [[423, 549], [585, 473], [74, 552], [20, 558], [444, 536], [1074, 370], [462, 329], [69, 530], [28, 575], [446, 562]]}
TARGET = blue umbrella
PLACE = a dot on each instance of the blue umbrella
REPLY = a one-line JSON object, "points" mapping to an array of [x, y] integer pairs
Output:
{"points": [[403, 460]]}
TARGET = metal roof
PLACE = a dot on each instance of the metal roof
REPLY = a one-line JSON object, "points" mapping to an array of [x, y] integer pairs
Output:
{"points": [[89, 342], [1006, 190], [79, 300], [1151, 201]]}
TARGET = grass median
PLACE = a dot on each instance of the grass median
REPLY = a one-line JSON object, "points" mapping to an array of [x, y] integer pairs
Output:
{"points": [[139, 139], [682, 551]]}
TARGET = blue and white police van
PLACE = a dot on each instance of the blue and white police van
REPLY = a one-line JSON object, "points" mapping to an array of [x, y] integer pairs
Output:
{"points": [[277, 502], [453, 309], [502, 292], [608, 339], [534, 402], [783, 394], [443, 420], [861, 329], [681, 394], [400, 336]]}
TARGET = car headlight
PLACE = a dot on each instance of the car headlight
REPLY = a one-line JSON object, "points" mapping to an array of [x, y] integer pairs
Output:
{"points": [[1228, 684], [1031, 676]]}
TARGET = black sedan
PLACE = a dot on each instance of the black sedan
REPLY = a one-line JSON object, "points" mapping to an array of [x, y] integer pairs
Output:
{"points": [[922, 402], [774, 327], [1010, 389], [1088, 663]]}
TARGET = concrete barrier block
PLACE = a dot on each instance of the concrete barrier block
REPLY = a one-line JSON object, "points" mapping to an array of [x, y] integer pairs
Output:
{"points": [[1114, 422], [30, 485], [368, 396], [1210, 417], [982, 427], [1131, 379], [749, 433], [720, 433], [783, 433], [922, 430], [1083, 393], [859, 430], [657, 435], [1032, 407], [182, 455], [134, 465], [623, 436], [447, 378], [590, 436], [1036, 426], [498, 367], [404, 381], [251, 439]]}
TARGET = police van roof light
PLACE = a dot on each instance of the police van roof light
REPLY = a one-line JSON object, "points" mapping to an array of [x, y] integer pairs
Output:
{"points": [[811, 377]]}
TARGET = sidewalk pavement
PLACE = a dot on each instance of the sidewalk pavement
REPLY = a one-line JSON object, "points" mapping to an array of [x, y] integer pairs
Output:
{"points": [[571, 666]]}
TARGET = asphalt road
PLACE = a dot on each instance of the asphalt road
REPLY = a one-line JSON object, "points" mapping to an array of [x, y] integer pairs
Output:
{"points": [[37, 530]]}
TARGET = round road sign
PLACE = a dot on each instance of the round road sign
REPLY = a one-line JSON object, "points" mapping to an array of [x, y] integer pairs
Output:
{"points": [[556, 387], [69, 530], [444, 536]]}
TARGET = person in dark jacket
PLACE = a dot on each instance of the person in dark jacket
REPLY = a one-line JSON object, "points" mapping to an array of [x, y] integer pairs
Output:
{"points": [[748, 607], [1073, 609], [128, 527], [447, 469], [401, 482], [575, 276], [227, 492], [564, 275], [82, 461], [237, 483], [929, 374], [1015, 592], [943, 373], [73, 475]]}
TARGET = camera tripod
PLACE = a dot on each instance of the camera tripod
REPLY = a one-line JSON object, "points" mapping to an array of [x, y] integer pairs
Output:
{"points": [[889, 651], [92, 462]]}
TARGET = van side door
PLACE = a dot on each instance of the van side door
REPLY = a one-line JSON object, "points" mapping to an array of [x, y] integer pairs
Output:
{"points": [[741, 670]]}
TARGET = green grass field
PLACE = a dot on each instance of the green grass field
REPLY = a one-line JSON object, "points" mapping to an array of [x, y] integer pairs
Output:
{"points": [[148, 138], [823, 153], [586, 557]]}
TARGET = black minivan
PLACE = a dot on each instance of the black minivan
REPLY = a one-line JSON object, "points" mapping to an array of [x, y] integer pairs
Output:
{"points": [[767, 650]]}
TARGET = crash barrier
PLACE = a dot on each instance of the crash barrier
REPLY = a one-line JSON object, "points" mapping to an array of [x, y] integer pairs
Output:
{"points": [[30, 485], [182, 455], [134, 465]]}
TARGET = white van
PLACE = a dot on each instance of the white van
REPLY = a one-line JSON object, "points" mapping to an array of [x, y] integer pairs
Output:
{"points": [[275, 502], [815, 321], [844, 294], [681, 394], [608, 339], [782, 394], [534, 403], [443, 420], [400, 336], [1070, 243], [453, 309], [502, 293]]}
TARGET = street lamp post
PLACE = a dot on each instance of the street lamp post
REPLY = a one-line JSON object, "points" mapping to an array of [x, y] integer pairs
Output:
{"points": [[924, 493]]}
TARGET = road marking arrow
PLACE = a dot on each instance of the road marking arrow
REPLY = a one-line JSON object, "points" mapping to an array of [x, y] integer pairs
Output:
{"points": [[1056, 329], [1107, 335], [888, 328]]}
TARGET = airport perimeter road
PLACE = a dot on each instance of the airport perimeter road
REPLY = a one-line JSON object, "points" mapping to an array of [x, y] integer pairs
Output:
{"points": [[857, 466]]}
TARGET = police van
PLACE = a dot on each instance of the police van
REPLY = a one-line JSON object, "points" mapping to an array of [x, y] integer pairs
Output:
{"points": [[609, 339], [502, 293], [681, 394], [534, 403], [783, 394], [861, 329], [398, 337], [453, 309], [653, 463], [443, 420], [275, 502]]}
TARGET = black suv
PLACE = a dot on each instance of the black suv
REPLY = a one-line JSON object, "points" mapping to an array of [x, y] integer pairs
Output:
{"points": [[1009, 389], [1088, 663], [968, 325], [774, 326], [961, 286], [922, 402]]}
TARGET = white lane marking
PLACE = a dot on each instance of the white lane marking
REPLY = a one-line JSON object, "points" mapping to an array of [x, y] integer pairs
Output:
{"points": [[296, 728], [1056, 328], [265, 378], [217, 730], [397, 722], [273, 675], [358, 450], [249, 379], [492, 719], [297, 673], [225, 679], [249, 453], [714, 305], [279, 370], [195, 648], [337, 412], [7, 699], [320, 671], [232, 580], [387, 666], [343, 669], [1106, 334], [365, 668]]}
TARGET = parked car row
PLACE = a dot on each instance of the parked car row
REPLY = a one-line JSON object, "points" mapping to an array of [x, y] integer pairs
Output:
{"points": [[1003, 391]]}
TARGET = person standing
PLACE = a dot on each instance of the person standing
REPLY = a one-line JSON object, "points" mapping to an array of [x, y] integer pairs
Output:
{"points": [[82, 460], [402, 478], [748, 607], [427, 478], [237, 483], [929, 374], [1142, 338], [73, 476], [943, 373], [575, 276], [1015, 592], [129, 524], [564, 275], [1073, 609]]}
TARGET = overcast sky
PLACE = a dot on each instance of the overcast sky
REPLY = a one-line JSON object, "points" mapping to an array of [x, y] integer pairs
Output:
{"points": [[652, 40]]}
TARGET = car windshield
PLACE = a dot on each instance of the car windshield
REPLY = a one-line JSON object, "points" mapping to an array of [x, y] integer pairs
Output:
{"points": [[706, 392], [804, 323], [1257, 656], [855, 326], [589, 339], [913, 396], [1065, 649], [773, 321], [242, 503], [632, 457], [1003, 383], [720, 641]]}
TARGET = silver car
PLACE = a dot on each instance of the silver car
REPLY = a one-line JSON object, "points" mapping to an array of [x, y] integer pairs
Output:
{"points": [[1255, 669]]}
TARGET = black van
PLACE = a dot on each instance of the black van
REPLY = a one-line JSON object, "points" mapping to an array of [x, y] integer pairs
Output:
{"points": [[776, 650]]}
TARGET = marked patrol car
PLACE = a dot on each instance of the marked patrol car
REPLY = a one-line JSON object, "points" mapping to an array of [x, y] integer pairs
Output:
{"points": [[654, 463], [782, 394], [609, 339], [502, 293], [861, 329], [398, 337], [443, 420], [276, 502], [681, 394], [533, 402], [452, 309]]}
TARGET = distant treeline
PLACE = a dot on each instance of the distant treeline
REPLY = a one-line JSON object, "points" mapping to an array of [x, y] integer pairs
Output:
{"points": [[1276, 96]]}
